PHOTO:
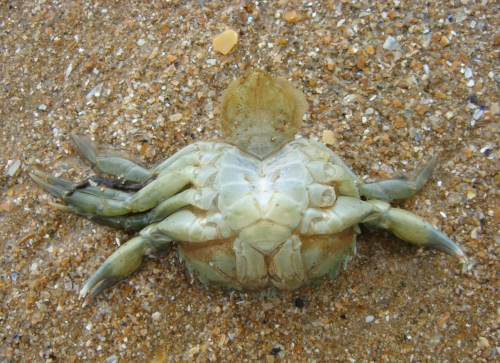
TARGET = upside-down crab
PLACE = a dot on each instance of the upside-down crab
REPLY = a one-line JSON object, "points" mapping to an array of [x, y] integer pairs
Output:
{"points": [[255, 210]]}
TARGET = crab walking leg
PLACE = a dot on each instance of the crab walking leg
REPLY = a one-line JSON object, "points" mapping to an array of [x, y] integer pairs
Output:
{"points": [[134, 222], [338, 161], [347, 212], [109, 202], [90, 199], [182, 226], [124, 261], [411, 228], [112, 165], [336, 175], [166, 186], [202, 198], [174, 161], [196, 158], [399, 188]]}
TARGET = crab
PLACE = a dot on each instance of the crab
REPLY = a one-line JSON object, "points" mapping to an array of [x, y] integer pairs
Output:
{"points": [[258, 209]]}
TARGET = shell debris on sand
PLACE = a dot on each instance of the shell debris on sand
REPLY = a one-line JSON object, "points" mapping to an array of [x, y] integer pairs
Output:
{"points": [[54, 53]]}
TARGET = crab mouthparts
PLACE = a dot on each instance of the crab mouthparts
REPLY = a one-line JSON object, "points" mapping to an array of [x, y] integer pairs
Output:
{"points": [[261, 144]]}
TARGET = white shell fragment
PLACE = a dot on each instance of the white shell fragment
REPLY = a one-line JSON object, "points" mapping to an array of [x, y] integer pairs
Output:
{"points": [[390, 43], [14, 168], [96, 91], [156, 316]]}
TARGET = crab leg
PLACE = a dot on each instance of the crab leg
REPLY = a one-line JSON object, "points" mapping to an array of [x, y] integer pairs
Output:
{"points": [[105, 206], [182, 225], [124, 261], [347, 212], [411, 228], [197, 154], [109, 164], [338, 161], [134, 222], [201, 198], [399, 188], [108, 202], [376, 214], [90, 199], [336, 175]]}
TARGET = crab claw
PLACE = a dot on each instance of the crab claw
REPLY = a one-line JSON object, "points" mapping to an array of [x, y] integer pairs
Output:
{"points": [[123, 262], [83, 198], [59, 188], [412, 228]]}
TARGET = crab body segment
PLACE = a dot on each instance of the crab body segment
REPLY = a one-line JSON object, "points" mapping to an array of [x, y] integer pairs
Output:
{"points": [[258, 209]]}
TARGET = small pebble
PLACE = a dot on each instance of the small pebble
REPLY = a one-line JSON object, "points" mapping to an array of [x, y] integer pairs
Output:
{"points": [[171, 58], [328, 137], [5, 206], [386, 168], [267, 306], [224, 42], [484, 342], [275, 350], [434, 341], [369, 318], [495, 108], [292, 17], [496, 40], [444, 41], [175, 117], [299, 303], [399, 122], [193, 351], [89, 66]]}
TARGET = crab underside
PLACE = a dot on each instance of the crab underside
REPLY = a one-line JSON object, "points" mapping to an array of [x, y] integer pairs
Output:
{"points": [[257, 209]]}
